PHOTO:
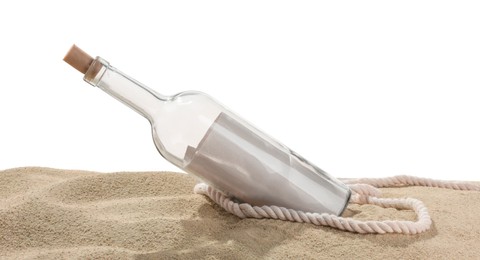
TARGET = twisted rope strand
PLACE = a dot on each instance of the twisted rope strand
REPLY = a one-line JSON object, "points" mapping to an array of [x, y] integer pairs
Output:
{"points": [[364, 191], [406, 180]]}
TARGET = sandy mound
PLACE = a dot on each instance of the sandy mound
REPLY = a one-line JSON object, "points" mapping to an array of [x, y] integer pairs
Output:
{"points": [[49, 213]]}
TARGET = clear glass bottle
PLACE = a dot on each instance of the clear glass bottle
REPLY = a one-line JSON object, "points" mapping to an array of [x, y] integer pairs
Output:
{"points": [[202, 137]]}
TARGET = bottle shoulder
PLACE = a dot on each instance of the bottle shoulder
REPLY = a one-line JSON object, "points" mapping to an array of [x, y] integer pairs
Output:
{"points": [[181, 122]]}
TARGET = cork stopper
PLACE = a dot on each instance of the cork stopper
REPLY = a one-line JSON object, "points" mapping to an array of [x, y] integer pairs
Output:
{"points": [[78, 59]]}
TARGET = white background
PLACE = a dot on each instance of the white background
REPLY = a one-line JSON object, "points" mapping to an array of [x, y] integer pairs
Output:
{"points": [[360, 88]]}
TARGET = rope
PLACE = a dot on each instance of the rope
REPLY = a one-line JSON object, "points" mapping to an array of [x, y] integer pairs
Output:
{"points": [[364, 191]]}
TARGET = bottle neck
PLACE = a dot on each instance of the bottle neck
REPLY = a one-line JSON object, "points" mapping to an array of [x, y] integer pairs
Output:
{"points": [[125, 89]]}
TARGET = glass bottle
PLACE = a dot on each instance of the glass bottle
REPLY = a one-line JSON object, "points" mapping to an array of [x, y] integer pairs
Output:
{"points": [[203, 138]]}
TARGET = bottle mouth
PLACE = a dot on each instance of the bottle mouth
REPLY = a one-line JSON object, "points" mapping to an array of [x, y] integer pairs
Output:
{"points": [[95, 71]]}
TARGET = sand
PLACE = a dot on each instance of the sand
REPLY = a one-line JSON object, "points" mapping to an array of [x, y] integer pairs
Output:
{"points": [[49, 213]]}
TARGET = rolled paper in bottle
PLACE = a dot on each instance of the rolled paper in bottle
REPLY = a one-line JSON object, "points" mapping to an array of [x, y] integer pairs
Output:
{"points": [[242, 164]]}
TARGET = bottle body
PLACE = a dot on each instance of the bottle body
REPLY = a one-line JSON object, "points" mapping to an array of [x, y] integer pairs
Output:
{"points": [[202, 137]]}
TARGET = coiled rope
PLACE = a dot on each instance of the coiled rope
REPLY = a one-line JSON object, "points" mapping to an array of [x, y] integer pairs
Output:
{"points": [[364, 191]]}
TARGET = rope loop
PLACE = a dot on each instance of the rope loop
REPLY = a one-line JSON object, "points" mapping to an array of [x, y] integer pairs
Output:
{"points": [[364, 191]]}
